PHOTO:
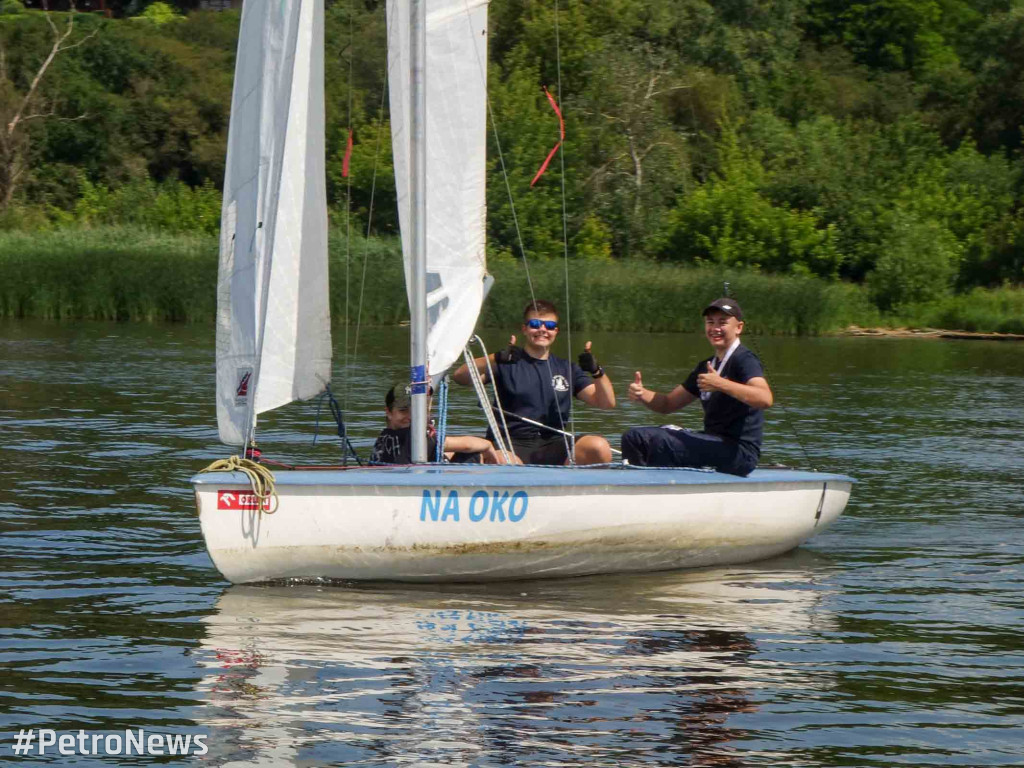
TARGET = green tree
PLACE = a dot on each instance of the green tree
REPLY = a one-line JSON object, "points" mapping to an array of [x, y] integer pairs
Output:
{"points": [[918, 261], [641, 161], [159, 13], [729, 221], [996, 101], [894, 34], [24, 94], [527, 129]]}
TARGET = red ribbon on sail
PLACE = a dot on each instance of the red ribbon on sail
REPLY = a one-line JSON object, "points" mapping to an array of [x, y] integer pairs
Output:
{"points": [[348, 156], [561, 132]]}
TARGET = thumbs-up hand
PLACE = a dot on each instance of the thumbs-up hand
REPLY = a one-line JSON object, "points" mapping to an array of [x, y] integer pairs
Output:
{"points": [[510, 354], [587, 361], [709, 381], [636, 388]]}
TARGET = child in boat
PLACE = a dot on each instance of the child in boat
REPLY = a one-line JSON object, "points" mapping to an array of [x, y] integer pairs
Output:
{"points": [[734, 393], [537, 386], [394, 445]]}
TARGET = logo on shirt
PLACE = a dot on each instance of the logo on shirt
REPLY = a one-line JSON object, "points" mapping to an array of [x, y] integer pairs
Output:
{"points": [[387, 450], [560, 383]]}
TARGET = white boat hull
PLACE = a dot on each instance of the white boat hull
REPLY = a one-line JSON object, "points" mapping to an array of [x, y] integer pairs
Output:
{"points": [[485, 523]]}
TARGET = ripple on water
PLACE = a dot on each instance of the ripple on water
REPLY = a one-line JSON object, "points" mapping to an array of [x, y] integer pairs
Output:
{"points": [[892, 640]]}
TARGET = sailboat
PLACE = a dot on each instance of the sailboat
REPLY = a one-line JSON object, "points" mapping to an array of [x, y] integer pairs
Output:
{"points": [[423, 522]]}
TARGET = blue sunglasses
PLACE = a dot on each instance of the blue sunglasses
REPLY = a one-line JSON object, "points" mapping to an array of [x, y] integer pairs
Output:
{"points": [[534, 323]]}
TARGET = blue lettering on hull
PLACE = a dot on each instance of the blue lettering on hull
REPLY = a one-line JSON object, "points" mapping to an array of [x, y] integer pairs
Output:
{"points": [[494, 506]]}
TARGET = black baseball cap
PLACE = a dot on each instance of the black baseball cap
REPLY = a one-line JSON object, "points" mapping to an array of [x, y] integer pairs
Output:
{"points": [[729, 306], [400, 395]]}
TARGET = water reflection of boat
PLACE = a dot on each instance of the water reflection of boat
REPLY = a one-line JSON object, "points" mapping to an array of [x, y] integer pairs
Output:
{"points": [[334, 674]]}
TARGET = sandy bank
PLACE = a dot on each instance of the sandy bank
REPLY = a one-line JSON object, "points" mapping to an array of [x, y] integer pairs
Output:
{"points": [[929, 333]]}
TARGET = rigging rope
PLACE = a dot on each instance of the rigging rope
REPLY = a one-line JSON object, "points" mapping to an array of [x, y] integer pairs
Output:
{"points": [[442, 418], [525, 420], [261, 480], [369, 214], [565, 235], [339, 418], [336, 410], [485, 403], [494, 387], [348, 196], [570, 448]]}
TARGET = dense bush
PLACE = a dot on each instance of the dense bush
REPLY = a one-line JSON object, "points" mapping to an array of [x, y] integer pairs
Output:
{"points": [[875, 143]]}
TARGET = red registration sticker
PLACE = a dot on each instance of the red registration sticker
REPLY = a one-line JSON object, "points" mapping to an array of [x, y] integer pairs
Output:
{"points": [[238, 501]]}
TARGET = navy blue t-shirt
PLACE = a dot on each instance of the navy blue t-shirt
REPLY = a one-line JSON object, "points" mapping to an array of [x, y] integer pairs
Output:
{"points": [[724, 415], [538, 390]]}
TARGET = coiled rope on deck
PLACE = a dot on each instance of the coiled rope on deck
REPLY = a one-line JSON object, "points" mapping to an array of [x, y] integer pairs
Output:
{"points": [[261, 479]]}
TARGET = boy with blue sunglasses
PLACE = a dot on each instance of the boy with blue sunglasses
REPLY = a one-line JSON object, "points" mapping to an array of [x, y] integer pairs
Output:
{"points": [[534, 384]]}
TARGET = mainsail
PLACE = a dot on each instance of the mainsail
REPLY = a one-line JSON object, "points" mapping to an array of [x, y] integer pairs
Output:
{"points": [[273, 318], [456, 128]]}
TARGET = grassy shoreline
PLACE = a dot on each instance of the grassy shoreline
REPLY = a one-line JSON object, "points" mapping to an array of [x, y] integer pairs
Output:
{"points": [[128, 274]]}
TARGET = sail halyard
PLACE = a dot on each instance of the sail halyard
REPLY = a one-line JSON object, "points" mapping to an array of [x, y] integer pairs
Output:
{"points": [[418, 203], [454, 118], [273, 328]]}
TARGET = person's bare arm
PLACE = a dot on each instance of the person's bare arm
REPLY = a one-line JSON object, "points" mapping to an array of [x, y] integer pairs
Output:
{"points": [[466, 444], [600, 394], [461, 376], [470, 444], [755, 392], [658, 401]]}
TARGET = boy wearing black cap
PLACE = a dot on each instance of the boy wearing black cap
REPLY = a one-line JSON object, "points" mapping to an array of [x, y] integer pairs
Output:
{"points": [[732, 390], [394, 444]]}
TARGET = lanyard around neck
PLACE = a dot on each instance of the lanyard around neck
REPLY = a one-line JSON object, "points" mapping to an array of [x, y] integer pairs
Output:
{"points": [[721, 366]]}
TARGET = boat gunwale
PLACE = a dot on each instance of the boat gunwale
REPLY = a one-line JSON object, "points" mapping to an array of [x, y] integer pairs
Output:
{"points": [[449, 475]]}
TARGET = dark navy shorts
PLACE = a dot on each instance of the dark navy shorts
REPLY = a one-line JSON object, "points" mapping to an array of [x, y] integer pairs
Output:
{"points": [[675, 447], [541, 449]]}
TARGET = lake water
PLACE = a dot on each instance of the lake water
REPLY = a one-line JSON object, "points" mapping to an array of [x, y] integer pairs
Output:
{"points": [[894, 638]]}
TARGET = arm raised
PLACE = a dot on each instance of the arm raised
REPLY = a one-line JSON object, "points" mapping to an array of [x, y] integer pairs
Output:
{"points": [[656, 401], [600, 393], [509, 354], [755, 392]]}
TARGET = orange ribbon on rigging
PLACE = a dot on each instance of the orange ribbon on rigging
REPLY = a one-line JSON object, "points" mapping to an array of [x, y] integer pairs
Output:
{"points": [[348, 155], [561, 132]]}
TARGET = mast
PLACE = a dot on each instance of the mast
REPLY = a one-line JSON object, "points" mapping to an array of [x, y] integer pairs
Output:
{"points": [[418, 188]]}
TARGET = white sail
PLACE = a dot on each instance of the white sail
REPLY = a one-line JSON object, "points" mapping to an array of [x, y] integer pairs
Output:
{"points": [[273, 318], [456, 127]]}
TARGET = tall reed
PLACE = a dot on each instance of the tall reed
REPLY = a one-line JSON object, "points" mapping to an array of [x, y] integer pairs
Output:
{"points": [[648, 296], [123, 273], [999, 310], [113, 273]]}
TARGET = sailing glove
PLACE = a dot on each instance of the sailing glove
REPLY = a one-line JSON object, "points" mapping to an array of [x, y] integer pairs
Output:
{"points": [[588, 363], [510, 354]]}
